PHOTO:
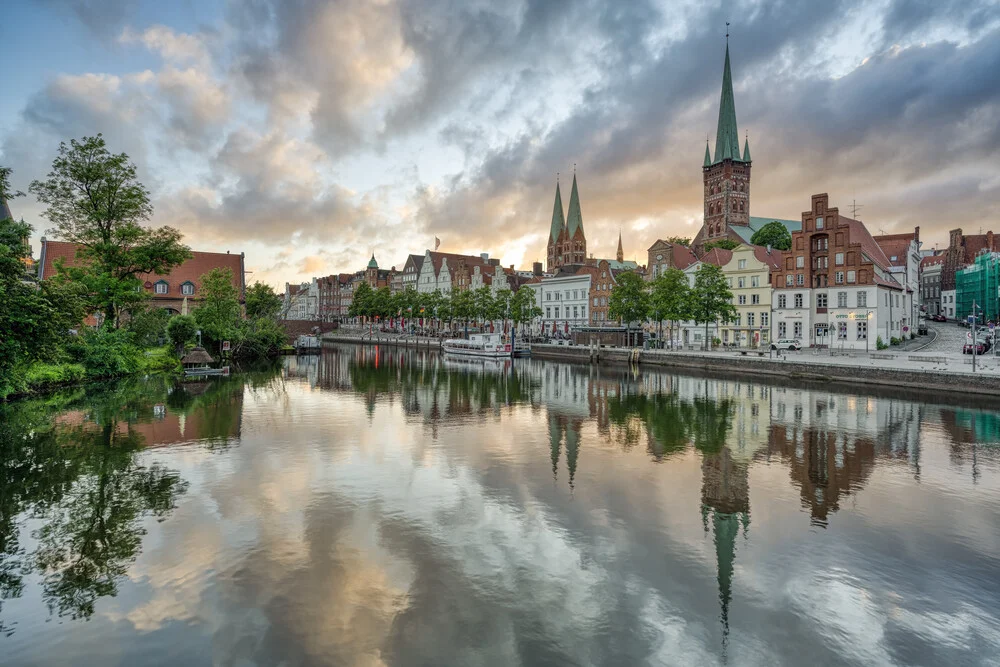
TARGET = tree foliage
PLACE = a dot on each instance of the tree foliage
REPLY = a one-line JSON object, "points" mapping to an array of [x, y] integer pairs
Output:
{"points": [[773, 234], [218, 316], [181, 330], [680, 240], [262, 302], [711, 298], [725, 244], [629, 300], [94, 199], [670, 297]]}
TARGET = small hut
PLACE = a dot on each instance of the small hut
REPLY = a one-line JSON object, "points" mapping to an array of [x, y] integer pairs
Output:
{"points": [[196, 360]]}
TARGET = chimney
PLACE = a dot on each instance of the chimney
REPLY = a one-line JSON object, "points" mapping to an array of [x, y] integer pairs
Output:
{"points": [[916, 233], [536, 268], [485, 256]]}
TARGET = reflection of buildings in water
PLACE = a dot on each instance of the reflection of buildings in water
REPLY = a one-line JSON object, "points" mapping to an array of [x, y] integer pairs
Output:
{"points": [[725, 497], [971, 427], [564, 430]]}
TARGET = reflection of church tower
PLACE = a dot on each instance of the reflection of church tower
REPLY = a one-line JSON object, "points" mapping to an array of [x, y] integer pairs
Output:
{"points": [[572, 449], [555, 444], [725, 494], [561, 428]]}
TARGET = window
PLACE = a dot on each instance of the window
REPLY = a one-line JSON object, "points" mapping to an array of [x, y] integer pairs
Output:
{"points": [[548, 313], [782, 300], [839, 278], [576, 313], [741, 282], [842, 331], [850, 276], [782, 331], [187, 289], [862, 330], [819, 222], [743, 299], [798, 329], [595, 300], [548, 296], [800, 262], [789, 280], [800, 279], [161, 287], [838, 259], [754, 281], [755, 299], [841, 299], [741, 264], [798, 243], [763, 319], [557, 312], [750, 320], [583, 312], [798, 300], [821, 300]]}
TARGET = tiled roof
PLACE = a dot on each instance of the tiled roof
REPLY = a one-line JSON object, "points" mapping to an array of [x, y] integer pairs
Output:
{"points": [[931, 261], [682, 256], [627, 265], [454, 260], [861, 235], [717, 256], [190, 271], [887, 283], [772, 259], [976, 243]]}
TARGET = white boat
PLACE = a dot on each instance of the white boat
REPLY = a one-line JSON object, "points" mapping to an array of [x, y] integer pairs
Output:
{"points": [[478, 345]]}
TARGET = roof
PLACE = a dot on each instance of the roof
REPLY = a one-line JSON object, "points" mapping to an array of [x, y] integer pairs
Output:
{"points": [[772, 259], [717, 256], [558, 221], [895, 246], [885, 282], [727, 135], [190, 271], [294, 289], [416, 260], [745, 232], [615, 265], [861, 235], [372, 264], [470, 261], [574, 218], [682, 255], [931, 261], [976, 243], [197, 355], [5, 210]]}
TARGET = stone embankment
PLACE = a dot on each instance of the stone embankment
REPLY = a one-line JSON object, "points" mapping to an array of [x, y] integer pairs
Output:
{"points": [[899, 371], [381, 339]]}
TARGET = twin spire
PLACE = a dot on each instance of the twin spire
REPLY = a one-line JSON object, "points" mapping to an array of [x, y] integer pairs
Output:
{"points": [[574, 219], [727, 135]]}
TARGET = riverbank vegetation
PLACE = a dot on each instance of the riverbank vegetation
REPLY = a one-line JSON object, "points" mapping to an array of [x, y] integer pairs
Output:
{"points": [[94, 319]]}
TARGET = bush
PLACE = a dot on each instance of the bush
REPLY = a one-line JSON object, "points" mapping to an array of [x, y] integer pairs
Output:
{"points": [[181, 330], [894, 341], [41, 374], [148, 326], [110, 353], [880, 344], [258, 339], [160, 359]]}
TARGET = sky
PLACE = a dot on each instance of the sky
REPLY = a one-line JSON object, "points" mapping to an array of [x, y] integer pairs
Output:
{"points": [[310, 134]]}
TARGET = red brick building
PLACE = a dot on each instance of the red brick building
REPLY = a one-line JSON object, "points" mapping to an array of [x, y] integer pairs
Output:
{"points": [[179, 289]]}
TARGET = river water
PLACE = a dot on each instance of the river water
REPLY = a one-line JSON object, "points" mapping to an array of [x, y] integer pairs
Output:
{"points": [[377, 506]]}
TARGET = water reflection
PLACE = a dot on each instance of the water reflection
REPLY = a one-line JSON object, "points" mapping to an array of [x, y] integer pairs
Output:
{"points": [[389, 507]]}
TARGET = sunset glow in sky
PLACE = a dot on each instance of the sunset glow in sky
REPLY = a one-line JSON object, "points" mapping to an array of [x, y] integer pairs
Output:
{"points": [[309, 134]]}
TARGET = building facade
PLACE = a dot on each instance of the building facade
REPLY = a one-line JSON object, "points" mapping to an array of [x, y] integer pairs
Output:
{"points": [[977, 289], [836, 287], [903, 253], [563, 299], [663, 255], [930, 285], [749, 274]]}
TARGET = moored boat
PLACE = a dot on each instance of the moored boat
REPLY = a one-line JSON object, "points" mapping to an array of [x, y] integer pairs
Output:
{"points": [[478, 345]]}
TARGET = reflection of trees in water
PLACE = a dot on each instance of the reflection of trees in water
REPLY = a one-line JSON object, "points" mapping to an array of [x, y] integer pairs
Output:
{"points": [[71, 463], [670, 421]]}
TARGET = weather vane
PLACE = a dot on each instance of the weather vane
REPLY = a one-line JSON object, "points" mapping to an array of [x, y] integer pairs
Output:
{"points": [[727, 32]]}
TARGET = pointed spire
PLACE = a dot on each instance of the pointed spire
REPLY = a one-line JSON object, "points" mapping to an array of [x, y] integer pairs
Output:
{"points": [[727, 137], [372, 264], [746, 149], [621, 253], [708, 156], [558, 221], [574, 219]]}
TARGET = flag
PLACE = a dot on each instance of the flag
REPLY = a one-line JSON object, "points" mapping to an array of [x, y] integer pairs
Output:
{"points": [[437, 243]]}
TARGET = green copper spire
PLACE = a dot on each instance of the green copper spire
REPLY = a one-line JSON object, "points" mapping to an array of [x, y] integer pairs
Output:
{"points": [[708, 156], [727, 138], [746, 150], [372, 264], [558, 221], [574, 219]]}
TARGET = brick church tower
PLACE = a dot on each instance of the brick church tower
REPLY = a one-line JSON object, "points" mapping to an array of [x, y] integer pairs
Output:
{"points": [[726, 175], [567, 241]]}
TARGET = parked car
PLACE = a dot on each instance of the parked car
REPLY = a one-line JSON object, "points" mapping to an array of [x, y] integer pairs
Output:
{"points": [[981, 347], [939, 318], [922, 329], [786, 344]]}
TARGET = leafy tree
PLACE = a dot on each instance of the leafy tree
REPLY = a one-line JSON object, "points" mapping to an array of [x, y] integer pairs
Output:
{"points": [[680, 240], [725, 244], [94, 199], [361, 302], [773, 234], [218, 316], [501, 305], [148, 325], [463, 306], [484, 306], [711, 298], [670, 298], [629, 300], [523, 306], [181, 330], [262, 302]]}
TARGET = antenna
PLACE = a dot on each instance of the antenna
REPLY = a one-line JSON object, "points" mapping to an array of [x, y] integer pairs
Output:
{"points": [[727, 32], [855, 207]]}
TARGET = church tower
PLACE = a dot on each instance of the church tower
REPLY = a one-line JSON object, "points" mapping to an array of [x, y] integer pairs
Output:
{"points": [[576, 240], [621, 253], [557, 234], [726, 175]]}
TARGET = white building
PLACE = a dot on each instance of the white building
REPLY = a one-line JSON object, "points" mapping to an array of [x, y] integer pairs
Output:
{"points": [[563, 299], [301, 302]]}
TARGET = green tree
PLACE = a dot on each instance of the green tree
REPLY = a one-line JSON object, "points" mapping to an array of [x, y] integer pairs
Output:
{"points": [[181, 330], [95, 199], [463, 306], [725, 244], [711, 298], [670, 298], [362, 302], [484, 305], [773, 234], [262, 302], [218, 316], [680, 240], [148, 325], [501, 306], [629, 300], [523, 306]]}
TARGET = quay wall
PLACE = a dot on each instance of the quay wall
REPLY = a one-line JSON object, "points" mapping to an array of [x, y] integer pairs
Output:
{"points": [[786, 368], [381, 339]]}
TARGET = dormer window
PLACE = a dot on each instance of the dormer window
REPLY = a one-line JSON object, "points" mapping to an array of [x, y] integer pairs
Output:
{"points": [[187, 288], [161, 287]]}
